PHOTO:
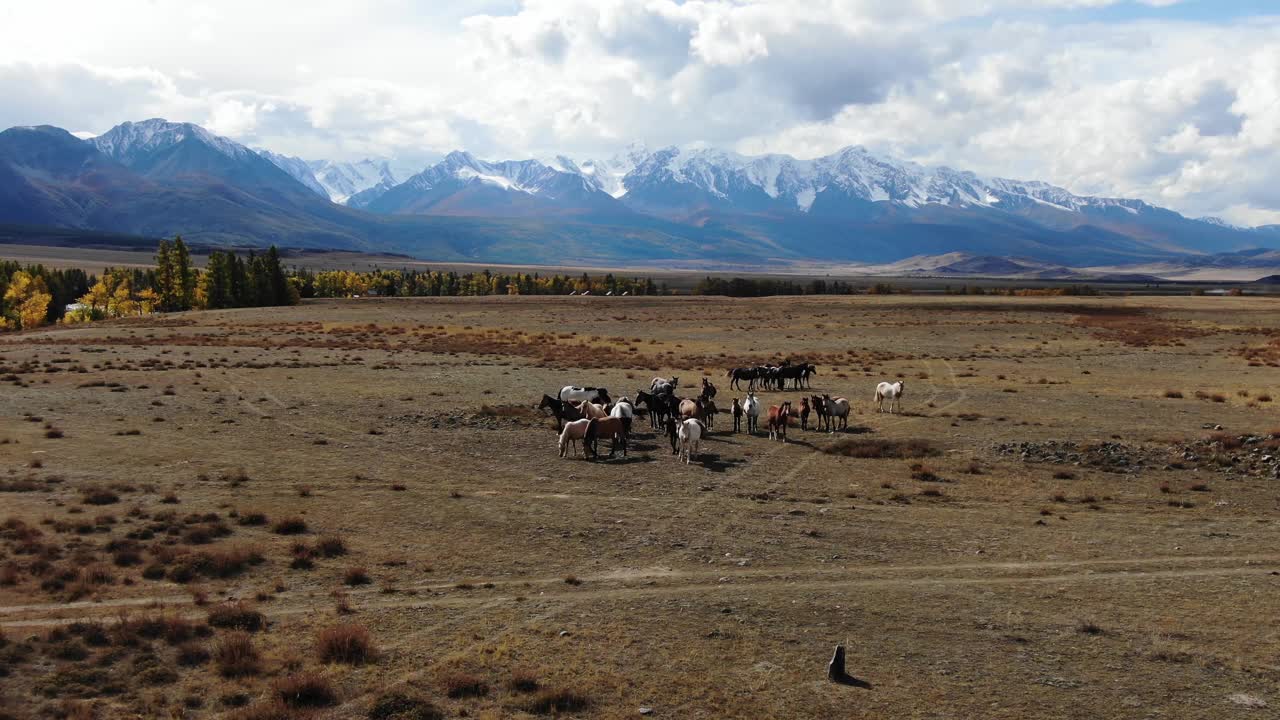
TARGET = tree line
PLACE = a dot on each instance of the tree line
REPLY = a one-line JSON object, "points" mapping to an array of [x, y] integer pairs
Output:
{"points": [[433, 283]]}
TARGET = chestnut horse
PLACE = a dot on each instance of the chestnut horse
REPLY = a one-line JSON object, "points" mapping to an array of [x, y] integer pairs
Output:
{"points": [[778, 416], [611, 427]]}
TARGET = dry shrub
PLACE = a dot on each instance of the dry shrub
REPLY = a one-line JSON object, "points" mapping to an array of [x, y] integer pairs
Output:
{"points": [[331, 546], [1135, 328], [236, 656], [523, 681], [356, 576], [237, 616], [882, 448], [1227, 441], [350, 643], [464, 685], [305, 690], [253, 519], [99, 496], [402, 706], [267, 710], [191, 654], [1173, 394], [549, 702], [1064, 475], [289, 526]]}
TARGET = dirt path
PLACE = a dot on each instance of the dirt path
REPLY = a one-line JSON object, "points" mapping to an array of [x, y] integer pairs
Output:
{"points": [[628, 582]]}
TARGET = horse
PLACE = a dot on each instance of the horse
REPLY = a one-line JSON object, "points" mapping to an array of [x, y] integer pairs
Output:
{"points": [[691, 432], [591, 411], [691, 409], [752, 408], [624, 411], [809, 370], [708, 390], [737, 416], [656, 409], [709, 412], [663, 386], [837, 408], [611, 427], [891, 392], [738, 374], [820, 407], [671, 428], [572, 433], [573, 393], [804, 413], [561, 410], [794, 373], [778, 416]]}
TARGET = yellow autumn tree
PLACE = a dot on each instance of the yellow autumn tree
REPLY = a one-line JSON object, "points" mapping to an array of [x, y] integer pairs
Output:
{"points": [[28, 299]]}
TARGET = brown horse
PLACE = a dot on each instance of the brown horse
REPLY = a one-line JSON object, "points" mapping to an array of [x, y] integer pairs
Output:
{"points": [[804, 413], [822, 422], [691, 409], [611, 427], [778, 417]]}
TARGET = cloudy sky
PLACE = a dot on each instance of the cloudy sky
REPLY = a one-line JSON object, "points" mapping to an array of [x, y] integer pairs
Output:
{"points": [[1173, 101]]}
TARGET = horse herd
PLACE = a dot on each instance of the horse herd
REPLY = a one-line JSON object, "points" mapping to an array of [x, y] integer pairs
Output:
{"points": [[587, 414]]}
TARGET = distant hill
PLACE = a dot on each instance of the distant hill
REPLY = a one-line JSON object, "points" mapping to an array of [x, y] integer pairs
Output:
{"points": [[671, 206]]}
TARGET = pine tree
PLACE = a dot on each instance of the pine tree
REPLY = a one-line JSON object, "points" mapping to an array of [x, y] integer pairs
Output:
{"points": [[167, 285], [183, 274]]}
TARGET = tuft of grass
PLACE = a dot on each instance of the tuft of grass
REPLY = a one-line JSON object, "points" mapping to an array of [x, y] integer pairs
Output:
{"points": [[356, 576], [289, 526], [236, 656], [331, 546], [550, 702], [305, 690], [252, 519], [99, 496], [402, 706], [524, 681], [464, 685], [1088, 627], [1173, 394], [1064, 475], [882, 448], [191, 654], [349, 643], [236, 616]]}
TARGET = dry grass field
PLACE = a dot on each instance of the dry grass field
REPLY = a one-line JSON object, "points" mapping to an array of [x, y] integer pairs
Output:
{"points": [[351, 509]]}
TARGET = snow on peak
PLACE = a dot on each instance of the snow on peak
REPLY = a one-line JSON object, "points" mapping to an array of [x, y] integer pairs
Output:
{"points": [[129, 141]]}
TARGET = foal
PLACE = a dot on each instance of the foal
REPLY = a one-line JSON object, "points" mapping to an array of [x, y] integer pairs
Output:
{"points": [[737, 416]]}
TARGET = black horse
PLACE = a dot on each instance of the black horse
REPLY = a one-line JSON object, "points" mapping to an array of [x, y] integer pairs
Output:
{"points": [[656, 408], [563, 411], [750, 374], [708, 390]]}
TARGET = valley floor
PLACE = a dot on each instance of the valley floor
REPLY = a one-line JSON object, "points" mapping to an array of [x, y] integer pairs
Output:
{"points": [[1096, 532]]}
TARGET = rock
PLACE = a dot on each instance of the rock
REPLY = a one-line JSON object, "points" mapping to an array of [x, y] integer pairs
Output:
{"points": [[646, 711], [564, 633]]}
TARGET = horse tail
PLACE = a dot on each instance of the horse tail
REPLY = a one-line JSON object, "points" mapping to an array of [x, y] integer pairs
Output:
{"points": [[592, 431]]}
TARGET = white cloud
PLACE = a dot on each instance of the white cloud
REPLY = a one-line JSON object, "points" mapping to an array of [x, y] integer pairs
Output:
{"points": [[1179, 113]]}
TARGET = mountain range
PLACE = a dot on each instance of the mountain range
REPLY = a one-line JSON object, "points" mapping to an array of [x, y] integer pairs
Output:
{"points": [[691, 207]]}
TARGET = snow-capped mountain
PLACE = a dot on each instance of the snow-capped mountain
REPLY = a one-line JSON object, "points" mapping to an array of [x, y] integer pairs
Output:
{"points": [[298, 168], [681, 204], [342, 180], [130, 142], [689, 179], [462, 184]]}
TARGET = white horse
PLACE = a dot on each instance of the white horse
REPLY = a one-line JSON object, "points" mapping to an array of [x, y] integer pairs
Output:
{"points": [[892, 393], [572, 433], [625, 411], [690, 435], [573, 393], [836, 408], [752, 410]]}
